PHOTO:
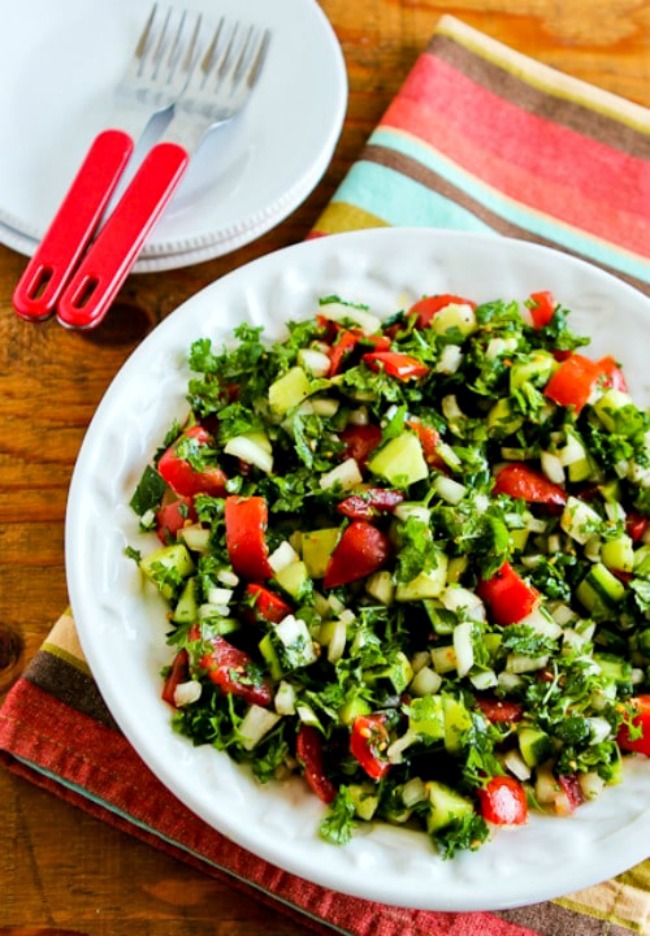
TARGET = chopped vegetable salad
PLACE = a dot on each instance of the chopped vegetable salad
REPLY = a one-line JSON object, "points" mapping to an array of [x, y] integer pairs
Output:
{"points": [[409, 561]]}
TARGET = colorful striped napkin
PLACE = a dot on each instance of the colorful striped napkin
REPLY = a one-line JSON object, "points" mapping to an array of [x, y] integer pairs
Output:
{"points": [[479, 138]]}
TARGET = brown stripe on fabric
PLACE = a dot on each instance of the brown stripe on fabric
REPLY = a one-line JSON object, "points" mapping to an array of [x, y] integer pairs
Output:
{"points": [[584, 120], [69, 685], [549, 919], [406, 165]]}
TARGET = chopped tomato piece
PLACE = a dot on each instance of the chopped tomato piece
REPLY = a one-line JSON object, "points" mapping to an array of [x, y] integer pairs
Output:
{"points": [[179, 672], [569, 795], [369, 503], [362, 550], [429, 440], [500, 711], [573, 382], [175, 466], [345, 342], [360, 441], [402, 366], [508, 596], [640, 721], [230, 669], [368, 744], [246, 521], [542, 308], [503, 801], [636, 525], [172, 517], [309, 752], [268, 605], [612, 375], [525, 483], [426, 308]]}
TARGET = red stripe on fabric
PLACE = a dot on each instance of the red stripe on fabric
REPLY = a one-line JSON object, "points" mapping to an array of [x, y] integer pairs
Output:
{"points": [[108, 768], [532, 160]]}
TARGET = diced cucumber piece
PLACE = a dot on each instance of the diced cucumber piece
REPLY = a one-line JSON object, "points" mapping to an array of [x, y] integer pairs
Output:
{"points": [[352, 708], [536, 370], [600, 591], [187, 609], [458, 721], [364, 799], [608, 406], [317, 549], [427, 718], [288, 391], [293, 578], [167, 567], [618, 553], [535, 745], [613, 667], [269, 653], [454, 317], [400, 461], [381, 587], [579, 520], [399, 672], [428, 584], [502, 420], [445, 805]]}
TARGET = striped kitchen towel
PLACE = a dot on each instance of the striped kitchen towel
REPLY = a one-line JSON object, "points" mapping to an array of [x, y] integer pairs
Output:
{"points": [[481, 138], [478, 138]]}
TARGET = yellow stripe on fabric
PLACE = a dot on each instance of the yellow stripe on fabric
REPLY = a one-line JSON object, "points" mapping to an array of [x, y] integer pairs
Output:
{"points": [[613, 901], [544, 78], [341, 216], [62, 641]]}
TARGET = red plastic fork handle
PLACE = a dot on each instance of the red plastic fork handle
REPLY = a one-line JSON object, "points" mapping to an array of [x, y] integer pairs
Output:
{"points": [[102, 271], [48, 271]]}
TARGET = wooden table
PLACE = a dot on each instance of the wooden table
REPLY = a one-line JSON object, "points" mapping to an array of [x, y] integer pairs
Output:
{"points": [[61, 871]]}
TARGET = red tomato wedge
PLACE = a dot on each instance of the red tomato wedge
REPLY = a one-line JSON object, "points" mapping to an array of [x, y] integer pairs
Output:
{"points": [[525, 483], [573, 382], [268, 605], [370, 503], [641, 721], [402, 366], [309, 752], [612, 374], [345, 342], [635, 526], [542, 308], [500, 711], [508, 597], [362, 550], [426, 308], [178, 673], [178, 472], [246, 521], [360, 442], [172, 517], [229, 668], [503, 801], [368, 744]]}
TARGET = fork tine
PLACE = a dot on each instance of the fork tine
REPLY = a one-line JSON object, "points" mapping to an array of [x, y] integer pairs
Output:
{"points": [[144, 36], [258, 62]]}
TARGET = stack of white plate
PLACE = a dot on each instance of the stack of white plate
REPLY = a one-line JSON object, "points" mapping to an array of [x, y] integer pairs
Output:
{"points": [[61, 62]]}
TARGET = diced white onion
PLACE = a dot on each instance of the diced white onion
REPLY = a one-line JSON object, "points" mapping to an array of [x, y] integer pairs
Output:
{"points": [[449, 360], [449, 457], [325, 406], [485, 679], [283, 556], [541, 623], [228, 578], [458, 599], [196, 537], [514, 762], [572, 452], [452, 492], [285, 699], [187, 692], [397, 748], [591, 784], [346, 476], [419, 660], [579, 520], [255, 724], [336, 645], [520, 663], [509, 681], [412, 509], [425, 682], [219, 596], [317, 363], [450, 408], [358, 417], [600, 729], [338, 312], [413, 791], [552, 467]]}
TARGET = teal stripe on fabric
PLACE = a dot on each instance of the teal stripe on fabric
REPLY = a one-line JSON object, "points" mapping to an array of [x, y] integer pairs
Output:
{"points": [[85, 794], [543, 227], [401, 201]]}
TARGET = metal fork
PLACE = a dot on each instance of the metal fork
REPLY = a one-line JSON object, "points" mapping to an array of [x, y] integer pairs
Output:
{"points": [[217, 90], [157, 74]]}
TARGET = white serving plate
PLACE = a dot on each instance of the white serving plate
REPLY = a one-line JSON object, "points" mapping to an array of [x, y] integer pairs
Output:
{"points": [[61, 63], [122, 631]]}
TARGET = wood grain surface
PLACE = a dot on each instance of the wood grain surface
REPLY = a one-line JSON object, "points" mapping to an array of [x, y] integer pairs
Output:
{"points": [[62, 872]]}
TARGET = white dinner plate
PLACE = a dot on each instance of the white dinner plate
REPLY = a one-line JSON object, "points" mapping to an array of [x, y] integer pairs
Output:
{"points": [[60, 63], [123, 631]]}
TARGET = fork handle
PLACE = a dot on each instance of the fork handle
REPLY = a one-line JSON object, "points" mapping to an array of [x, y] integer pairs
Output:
{"points": [[47, 272], [90, 292]]}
